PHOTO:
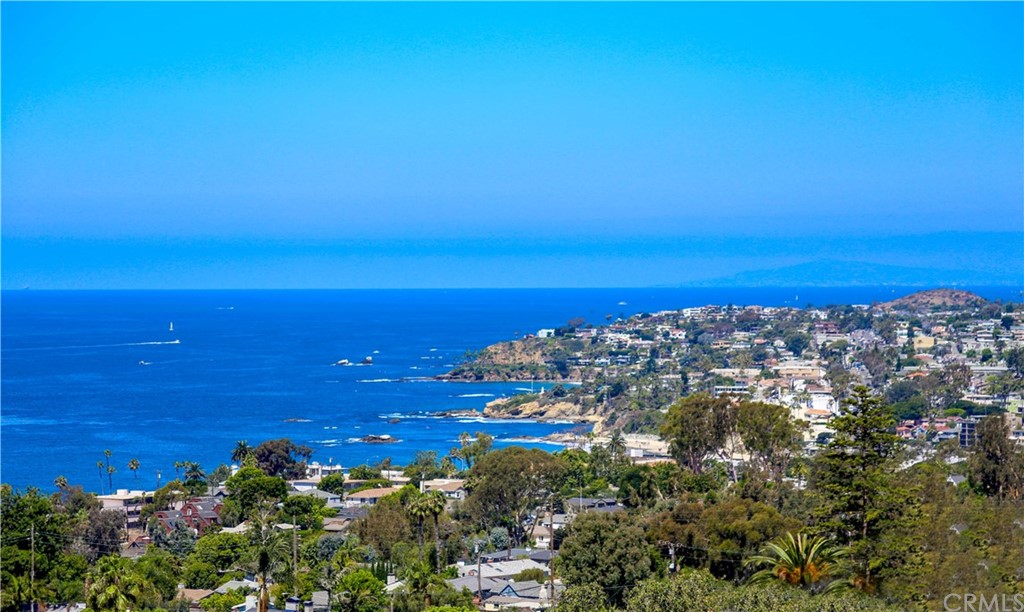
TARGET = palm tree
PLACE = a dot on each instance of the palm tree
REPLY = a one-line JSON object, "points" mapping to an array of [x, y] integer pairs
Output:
{"points": [[333, 572], [419, 510], [177, 468], [114, 585], [99, 466], [268, 553], [448, 466], [807, 562], [418, 581], [242, 450], [61, 482], [110, 477], [133, 465], [193, 471], [434, 503]]}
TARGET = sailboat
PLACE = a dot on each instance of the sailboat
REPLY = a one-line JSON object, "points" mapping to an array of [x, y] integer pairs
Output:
{"points": [[171, 328]]}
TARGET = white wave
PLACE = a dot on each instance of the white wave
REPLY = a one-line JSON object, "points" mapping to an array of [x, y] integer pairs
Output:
{"points": [[432, 350], [298, 420], [533, 441], [476, 395], [379, 380], [328, 441], [496, 421]]}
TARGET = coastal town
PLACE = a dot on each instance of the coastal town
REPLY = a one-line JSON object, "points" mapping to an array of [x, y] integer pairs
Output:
{"points": [[704, 437], [943, 358]]}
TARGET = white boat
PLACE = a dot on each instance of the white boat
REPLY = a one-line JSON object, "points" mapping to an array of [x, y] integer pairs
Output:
{"points": [[171, 328]]}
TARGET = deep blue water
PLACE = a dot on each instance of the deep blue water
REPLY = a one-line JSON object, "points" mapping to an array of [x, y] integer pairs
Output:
{"points": [[256, 365]]}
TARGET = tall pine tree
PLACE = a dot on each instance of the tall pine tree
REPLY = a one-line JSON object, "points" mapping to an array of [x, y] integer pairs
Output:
{"points": [[862, 503]]}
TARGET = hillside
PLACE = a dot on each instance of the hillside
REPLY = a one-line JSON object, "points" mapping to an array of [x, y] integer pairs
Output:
{"points": [[935, 298]]}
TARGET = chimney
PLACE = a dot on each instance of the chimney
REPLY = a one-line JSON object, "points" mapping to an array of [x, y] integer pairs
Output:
{"points": [[307, 606], [292, 603]]}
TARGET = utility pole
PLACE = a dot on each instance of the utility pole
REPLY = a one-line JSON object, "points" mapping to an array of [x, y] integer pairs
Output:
{"points": [[32, 570], [479, 579], [551, 550], [295, 552]]}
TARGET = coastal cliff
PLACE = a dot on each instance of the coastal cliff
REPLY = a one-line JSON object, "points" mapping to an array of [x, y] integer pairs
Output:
{"points": [[530, 358], [517, 408]]}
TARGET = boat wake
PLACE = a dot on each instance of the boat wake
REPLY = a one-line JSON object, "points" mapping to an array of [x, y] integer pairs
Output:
{"points": [[91, 346]]}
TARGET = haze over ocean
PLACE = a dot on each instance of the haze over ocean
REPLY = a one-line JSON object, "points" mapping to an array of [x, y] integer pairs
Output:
{"points": [[256, 365], [394, 145]]}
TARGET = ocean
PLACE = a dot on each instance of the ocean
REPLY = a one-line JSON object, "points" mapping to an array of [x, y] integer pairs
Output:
{"points": [[168, 376]]}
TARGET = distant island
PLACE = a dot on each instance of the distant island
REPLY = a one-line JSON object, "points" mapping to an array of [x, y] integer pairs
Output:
{"points": [[854, 273]]}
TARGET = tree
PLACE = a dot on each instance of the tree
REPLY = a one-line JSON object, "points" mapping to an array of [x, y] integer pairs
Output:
{"points": [[195, 478], [133, 465], [697, 426], [268, 553], [242, 450], [362, 592], [249, 487], [996, 462], [861, 504], [735, 528], [221, 550], [802, 561], [506, 484], [470, 449], [100, 467], [104, 533], [1015, 361], [797, 342], [606, 549], [114, 586], [282, 458], [332, 483], [160, 570], [419, 580], [769, 434], [434, 503], [385, 525], [423, 467], [179, 542], [364, 472], [584, 597]]}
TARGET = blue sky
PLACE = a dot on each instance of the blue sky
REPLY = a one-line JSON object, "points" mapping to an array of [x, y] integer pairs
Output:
{"points": [[367, 145]]}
